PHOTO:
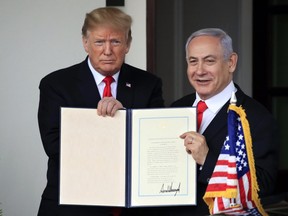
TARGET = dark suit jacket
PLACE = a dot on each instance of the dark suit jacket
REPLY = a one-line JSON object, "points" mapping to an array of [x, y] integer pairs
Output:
{"points": [[264, 141], [75, 87]]}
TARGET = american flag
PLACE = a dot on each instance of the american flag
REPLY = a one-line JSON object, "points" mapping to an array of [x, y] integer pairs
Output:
{"points": [[233, 187]]}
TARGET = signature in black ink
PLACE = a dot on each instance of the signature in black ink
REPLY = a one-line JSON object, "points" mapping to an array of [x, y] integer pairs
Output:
{"points": [[169, 188]]}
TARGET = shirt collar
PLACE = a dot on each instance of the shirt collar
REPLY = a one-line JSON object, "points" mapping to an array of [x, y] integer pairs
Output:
{"points": [[99, 77], [216, 102]]}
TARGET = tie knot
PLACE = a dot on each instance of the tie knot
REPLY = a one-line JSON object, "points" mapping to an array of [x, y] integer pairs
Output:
{"points": [[201, 106], [108, 80]]}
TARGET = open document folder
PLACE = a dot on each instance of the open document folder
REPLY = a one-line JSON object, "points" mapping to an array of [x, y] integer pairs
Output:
{"points": [[133, 159]]}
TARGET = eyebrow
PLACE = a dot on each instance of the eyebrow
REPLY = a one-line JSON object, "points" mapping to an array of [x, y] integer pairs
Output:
{"points": [[205, 57]]}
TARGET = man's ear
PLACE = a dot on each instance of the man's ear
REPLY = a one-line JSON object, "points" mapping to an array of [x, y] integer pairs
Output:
{"points": [[85, 43], [128, 45], [233, 62]]}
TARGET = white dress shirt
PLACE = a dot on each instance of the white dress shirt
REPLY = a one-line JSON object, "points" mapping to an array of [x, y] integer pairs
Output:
{"points": [[214, 104], [99, 81]]}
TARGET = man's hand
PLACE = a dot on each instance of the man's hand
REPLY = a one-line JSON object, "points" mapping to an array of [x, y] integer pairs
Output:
{"points": [[196, 145], [108, 106]]}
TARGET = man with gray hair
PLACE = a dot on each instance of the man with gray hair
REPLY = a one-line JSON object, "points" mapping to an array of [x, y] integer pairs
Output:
{"points": [[211, 63]]}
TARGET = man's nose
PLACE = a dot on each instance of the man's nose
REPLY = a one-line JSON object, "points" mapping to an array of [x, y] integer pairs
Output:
{"points": [[200, 68], [107, 48]]}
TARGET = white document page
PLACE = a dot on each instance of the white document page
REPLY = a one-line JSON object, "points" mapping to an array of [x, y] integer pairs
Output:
{"points": [[92, 165], [162, 171]]}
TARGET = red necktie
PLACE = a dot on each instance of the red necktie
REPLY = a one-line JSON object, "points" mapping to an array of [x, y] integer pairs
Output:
{"points": [[107, 90], [201, 107]]}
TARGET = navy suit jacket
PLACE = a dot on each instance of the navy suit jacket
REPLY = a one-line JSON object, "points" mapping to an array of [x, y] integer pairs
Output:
{"points": [[75, 87], [264, 141]]}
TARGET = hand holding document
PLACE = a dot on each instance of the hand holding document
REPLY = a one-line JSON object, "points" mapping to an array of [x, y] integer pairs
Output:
{"points": [[142, 161]]}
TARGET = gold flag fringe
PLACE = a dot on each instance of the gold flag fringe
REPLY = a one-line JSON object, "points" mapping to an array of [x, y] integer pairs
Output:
{"points": [[249, 147], [232, 193]]}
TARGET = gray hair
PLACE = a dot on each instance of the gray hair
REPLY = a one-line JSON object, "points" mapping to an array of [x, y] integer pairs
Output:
{"points": [[225, 39]]}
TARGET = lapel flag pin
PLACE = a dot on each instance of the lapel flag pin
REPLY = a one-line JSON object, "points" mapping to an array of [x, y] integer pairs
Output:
{"points": [[128, 85]]}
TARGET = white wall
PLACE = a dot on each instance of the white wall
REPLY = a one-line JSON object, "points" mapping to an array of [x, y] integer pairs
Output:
{"points": [[38, 37]]}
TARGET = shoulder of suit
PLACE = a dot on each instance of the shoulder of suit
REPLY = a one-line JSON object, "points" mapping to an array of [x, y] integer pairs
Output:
{"points": [[251, 105], [136, 71], [64, 72], [187, 100]]}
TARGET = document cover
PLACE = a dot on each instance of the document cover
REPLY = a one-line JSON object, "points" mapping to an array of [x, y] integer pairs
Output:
{"points": [[134, 159]]}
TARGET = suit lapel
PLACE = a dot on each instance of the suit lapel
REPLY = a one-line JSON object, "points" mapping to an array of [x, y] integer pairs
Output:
{"points": [[217, 125], [125, 87], [87, 85], [89, 90]]}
